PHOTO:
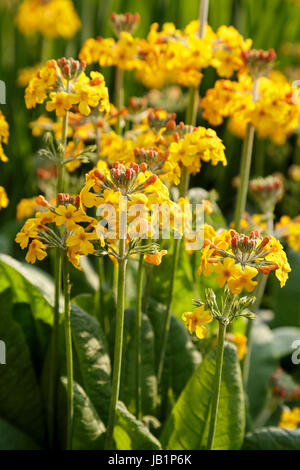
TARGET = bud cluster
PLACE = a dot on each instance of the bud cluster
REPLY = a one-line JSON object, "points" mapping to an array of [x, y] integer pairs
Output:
{"points": [[69, 69], [181, 129], [258, 62], [266, 192], [151, 158], [246, 250], [283, 386], [157, 122], [137, 104], [125, 178], [64, 199], [126, 22]]}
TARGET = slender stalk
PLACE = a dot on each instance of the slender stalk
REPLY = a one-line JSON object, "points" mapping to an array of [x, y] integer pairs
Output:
{"points": [[245, 167], [69, 354], [138, 328], [217, 387], [259, 293], [203, 14], [119, 95], [58, 280], [118, 345]]}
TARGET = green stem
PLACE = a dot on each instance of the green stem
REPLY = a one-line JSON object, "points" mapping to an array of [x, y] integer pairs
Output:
{"points": [[58, 280], [203, 14], [119, 96], [118, 345], [217, 387], [46, 50], [69, 354], [259, 293], [138, 328], [245, 167]]}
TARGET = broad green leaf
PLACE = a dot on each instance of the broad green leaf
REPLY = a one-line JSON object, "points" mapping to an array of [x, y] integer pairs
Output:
{"points": [[20, 398], [262, 364], [12, 438], [273, 439], [88, 429], [286, 302], [92, 359], [148, 376], [131, 434], [182, 357], [85, 301], [23, 291], [187, 426], [33, 274]]}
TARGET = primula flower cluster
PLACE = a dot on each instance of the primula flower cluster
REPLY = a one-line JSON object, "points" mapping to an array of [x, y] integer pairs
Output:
{"points": [[64, 84], [290, 419], [169, 55], [237, 259], [51, 18], [274, 114], [43, 232]]}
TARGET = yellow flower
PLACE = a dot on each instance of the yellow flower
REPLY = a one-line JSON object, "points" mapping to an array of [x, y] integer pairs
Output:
{"points": [[26, 207], [4, 134], [3, 198], [73, 257], [290, 418], [206, 267], [226, 270], [36, 251], [61, 102], [81, 241], [51, 18], [243, 279], [70, 216], [241, 343], [195, 321], [155, 258]]}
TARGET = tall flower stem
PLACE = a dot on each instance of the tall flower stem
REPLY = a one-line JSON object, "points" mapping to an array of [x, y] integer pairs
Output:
{"points": [[190, 118], [100, 261], [245, 167], [69, 354], [138, 329], [58, 281], [259, 293], [217, 387], [118, 345], [119, 95]]}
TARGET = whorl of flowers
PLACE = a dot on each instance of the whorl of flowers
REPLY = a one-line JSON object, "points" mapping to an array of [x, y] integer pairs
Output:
{"points": [[51, 18], [238, 258], [64, 84]]}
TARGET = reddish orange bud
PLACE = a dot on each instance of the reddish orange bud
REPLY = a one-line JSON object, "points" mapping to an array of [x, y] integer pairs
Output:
{"points": [[143, 166], [151, 180], [98, 174]]}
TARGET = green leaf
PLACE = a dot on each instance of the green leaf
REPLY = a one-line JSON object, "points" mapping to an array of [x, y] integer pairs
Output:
{"points": [[20, 398], [182, 357], [23, 291], [88, 429], [187, 426], [262, 364], [131, 434], [273, 439], [92, 359], [12, 438], [148, 376]]}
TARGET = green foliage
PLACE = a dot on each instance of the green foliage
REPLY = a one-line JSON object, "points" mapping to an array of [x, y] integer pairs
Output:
{"points": [[131, 434], [187, 426], [273, 439]]}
